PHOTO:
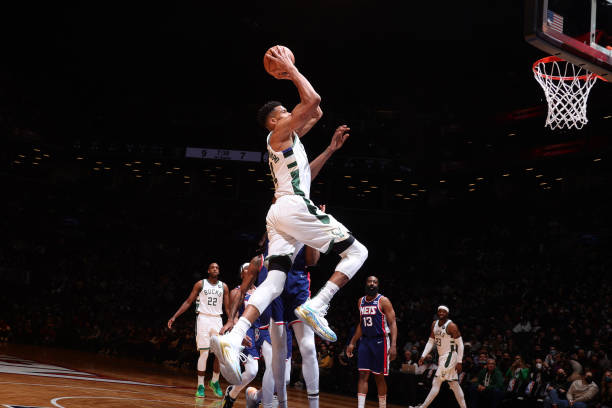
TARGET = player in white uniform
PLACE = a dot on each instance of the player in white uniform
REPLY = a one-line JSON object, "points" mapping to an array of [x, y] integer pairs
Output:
{"points": [[445, 334], [212, 296], [293, 220]]}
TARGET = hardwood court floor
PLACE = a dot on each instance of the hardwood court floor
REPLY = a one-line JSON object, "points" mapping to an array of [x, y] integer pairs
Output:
{"points": [[32, 376]]}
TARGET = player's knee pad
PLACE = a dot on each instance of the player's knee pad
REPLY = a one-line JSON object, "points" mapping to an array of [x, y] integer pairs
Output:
{"points": [[352, 258], [279, 263], [269, 290]]}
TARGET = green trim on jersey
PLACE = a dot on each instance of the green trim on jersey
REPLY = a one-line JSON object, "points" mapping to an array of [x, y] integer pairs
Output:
{"points": [[295, 182], [313, 210]]}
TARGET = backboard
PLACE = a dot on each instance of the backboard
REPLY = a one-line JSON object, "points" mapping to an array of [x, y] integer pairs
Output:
{"points": [[579, 31]]}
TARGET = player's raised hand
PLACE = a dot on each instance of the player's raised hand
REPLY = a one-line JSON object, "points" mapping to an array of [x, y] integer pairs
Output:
{"points": [[349, 350], [339, 137], [279, 56], [170, 322]]}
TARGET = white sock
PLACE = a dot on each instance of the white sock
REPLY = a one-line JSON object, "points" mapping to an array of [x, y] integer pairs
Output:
{"points": [[267, 382], [361, 400], [325, 295], [313, 400], [239, 331], [382, 401], [278, 336], [202, 365], [215, 377]]}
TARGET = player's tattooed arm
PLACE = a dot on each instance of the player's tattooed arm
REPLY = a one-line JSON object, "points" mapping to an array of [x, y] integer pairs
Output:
{"points": [[197, 287], [387, 309], [247, 281]]}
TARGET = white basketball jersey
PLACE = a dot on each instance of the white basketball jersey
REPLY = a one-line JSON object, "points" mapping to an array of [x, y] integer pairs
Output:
{"points": [[210, 299], [290, 169], [444, 341]]}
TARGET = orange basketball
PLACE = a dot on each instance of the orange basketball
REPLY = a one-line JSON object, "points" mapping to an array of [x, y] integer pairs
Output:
{"points": [[270, 66]]}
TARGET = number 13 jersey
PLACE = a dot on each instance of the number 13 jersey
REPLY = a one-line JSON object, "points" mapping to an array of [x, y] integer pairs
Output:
{"points": [[373, 322], [210, 299]]}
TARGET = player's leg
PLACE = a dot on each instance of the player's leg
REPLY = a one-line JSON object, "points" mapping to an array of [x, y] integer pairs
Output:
{"points": [[214, 381], [362, 387], [201, 371], [203, 344], [310, 367], [324, 233], [278, 335], [381, 386], [267, 383], [435, 389], [227, 347], [250, 371], [456, 388]]}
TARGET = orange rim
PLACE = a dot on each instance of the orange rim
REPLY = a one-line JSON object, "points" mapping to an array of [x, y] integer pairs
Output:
{"points": [[552, 58]]}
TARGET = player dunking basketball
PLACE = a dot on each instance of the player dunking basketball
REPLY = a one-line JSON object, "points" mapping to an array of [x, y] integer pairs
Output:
{"points": [[376, 323], [445, 334], [212, 295], [292, 221]]}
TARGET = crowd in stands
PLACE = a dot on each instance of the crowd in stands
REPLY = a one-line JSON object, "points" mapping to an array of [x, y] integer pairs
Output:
{"points": [[527, 286]]}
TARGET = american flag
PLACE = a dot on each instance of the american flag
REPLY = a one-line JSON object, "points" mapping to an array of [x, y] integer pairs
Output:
{"points": [[554, 21]]}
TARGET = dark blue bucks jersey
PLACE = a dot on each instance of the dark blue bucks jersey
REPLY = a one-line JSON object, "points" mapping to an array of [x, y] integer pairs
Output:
{"points": [[373, 322]]}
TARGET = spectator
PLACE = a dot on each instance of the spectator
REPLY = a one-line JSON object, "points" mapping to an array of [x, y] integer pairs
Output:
{"points": [[580, 393], [326, 360], [487, 392], [516, 376], [605, 397]]}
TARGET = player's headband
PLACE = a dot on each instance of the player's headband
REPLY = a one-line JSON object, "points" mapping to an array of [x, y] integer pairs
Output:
{"points": [[443, 308]]}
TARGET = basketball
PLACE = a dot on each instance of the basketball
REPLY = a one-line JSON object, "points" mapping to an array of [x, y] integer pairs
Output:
{"points": [[270, 66]]}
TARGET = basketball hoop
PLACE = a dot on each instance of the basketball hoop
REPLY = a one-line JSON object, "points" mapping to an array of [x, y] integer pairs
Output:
{"points": [[567, 88]]}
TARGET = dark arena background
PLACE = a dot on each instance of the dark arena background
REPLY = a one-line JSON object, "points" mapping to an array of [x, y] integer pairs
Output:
{"points": [[130, 159]]}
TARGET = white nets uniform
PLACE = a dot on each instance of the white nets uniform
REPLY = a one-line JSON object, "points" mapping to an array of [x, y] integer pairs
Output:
{"points": [[447, 352], [209, 306], [293, 219]]}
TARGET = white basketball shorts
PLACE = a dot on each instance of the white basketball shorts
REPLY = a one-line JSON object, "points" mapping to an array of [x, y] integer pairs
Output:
{"points": [[294, 220], [204, 323]]}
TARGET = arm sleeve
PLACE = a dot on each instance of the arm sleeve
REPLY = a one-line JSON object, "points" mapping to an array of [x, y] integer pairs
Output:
{"points": [[428, 347], [459, 342]]}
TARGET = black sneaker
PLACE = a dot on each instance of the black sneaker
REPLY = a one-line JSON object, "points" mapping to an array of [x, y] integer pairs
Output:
{"points": [[228, 402]]}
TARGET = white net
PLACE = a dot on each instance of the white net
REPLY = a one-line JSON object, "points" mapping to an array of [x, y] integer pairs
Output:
{"points": [[567, 88]]}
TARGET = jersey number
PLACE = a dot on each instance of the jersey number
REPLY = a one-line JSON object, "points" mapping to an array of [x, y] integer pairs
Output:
{"points": [[438, 342], [367, 321], [212, 301]]}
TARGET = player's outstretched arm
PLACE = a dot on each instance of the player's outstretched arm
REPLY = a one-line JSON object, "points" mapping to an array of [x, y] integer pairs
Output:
{"points": [[387, 309], [197, 287], [338, 139]]}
